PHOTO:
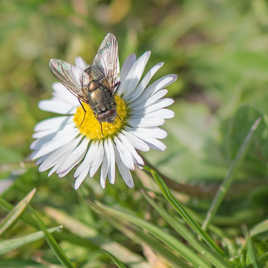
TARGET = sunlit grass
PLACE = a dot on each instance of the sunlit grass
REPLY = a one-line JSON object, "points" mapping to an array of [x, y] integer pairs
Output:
{"points": [[219, 51]]}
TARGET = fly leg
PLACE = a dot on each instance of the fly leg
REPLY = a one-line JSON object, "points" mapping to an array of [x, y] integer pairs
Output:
{"points": [[119, 118], [116, 87], [84, 112]]}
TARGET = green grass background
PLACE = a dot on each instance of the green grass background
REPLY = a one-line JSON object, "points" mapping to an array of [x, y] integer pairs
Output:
{"points": [[219, 49]]}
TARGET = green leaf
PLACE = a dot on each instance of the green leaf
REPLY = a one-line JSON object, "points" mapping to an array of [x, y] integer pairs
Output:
{"points": [[188, 136], [11, 244], [59, 253], [251, 253], [182, 230], [116, 261], [259, 228], [15, 213], [36, 221], [169, 240], [230, 174], [20, 263], [141, 238], [97, 240], [237, 129], [179, 207]]}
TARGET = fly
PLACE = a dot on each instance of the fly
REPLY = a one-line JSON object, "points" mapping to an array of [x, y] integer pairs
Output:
{"points": [[97, 84]]}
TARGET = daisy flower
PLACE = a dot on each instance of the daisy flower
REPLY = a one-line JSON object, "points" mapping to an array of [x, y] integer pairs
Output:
{"points": [[78, 140]]}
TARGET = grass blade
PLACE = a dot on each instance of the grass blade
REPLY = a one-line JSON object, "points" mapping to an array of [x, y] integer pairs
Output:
{"points": [[230, 175], [11, 244], [261, 227], [37, 222], [183, 212], [59, 253], [143, 238], [116, 261], [182, 230], [84, 231], [15, 213], [166, 238], [21, 263], [251, 253]]}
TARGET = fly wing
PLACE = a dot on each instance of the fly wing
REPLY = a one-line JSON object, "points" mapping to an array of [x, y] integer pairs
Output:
{"points": [[107, 59], [72, 77]]}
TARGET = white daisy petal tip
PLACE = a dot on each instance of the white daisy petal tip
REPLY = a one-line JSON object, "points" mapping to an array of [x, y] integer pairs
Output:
{"points": [[63, 143], [148, 54], [174, 77]]}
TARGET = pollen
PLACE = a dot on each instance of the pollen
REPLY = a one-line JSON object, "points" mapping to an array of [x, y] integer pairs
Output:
{"points": [[89, 126]]}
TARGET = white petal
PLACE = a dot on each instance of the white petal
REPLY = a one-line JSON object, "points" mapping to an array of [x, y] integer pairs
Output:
{"points": [[37, 144], [159, 105], [75, 157], [135, 155], [54, 157], [136, 142], [157, 145], [147, 108], [154, 132], [52, 123], [124, 171], [104, 167], [161, 114], [144, 122], [41, 134], [56, 106], [152, 142], [134, 75], [78, 181], [53, 142], [145, 81], [124, 153], [157, 96], [63, 94], [111, 171], [126, 66], [86, 163], [83, 170], [154, 87], [52, 171], [98, 158], [60, 161], [79, 62]]}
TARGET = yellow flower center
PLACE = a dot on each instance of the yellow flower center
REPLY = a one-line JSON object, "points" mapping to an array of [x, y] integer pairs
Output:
{"points": [[89, 126]]}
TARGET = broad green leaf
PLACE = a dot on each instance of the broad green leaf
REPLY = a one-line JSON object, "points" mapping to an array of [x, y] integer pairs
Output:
{"points": [[189, 135], [231, 173], [11, 244], [16, 212], [237, 128]]}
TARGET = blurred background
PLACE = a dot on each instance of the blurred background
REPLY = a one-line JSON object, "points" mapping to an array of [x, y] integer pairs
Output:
{"points": [[219, 49]]}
